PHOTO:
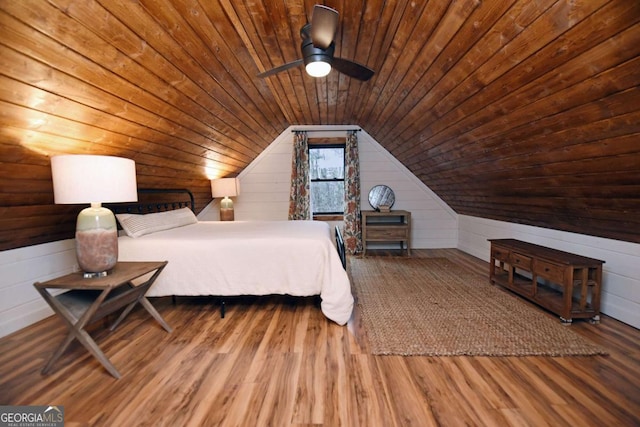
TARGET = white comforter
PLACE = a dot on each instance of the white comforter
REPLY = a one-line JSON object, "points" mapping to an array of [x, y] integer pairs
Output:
{"points": [[247, 258]]}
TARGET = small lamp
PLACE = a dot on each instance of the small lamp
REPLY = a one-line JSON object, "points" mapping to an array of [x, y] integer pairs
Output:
{"points": [[94, 179], [225, 187]]}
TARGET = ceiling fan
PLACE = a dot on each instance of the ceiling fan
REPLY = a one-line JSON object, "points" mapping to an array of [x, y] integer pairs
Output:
{"points": [[318, 47]]}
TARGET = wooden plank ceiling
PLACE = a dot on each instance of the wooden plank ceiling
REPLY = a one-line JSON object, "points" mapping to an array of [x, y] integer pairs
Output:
{"points": [[517, 110]]}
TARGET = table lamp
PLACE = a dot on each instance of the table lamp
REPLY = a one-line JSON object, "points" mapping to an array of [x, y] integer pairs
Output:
{"points": [[225, 187], [81, 179]]}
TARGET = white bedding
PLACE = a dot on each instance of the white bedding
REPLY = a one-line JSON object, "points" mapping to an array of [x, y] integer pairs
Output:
{"points": [[247, 258]]}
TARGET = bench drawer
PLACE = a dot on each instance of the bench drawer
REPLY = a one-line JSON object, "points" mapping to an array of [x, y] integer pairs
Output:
{"points": [[500, 254], [549, 271], [520, 261]]}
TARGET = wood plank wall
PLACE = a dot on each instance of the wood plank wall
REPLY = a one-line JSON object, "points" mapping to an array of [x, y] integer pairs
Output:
{"points": [[514, 110], [69, 89], [542, 131]]}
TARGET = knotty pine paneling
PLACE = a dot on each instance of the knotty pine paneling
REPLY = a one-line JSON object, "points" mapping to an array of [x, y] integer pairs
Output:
{"points": [[507, 109]]}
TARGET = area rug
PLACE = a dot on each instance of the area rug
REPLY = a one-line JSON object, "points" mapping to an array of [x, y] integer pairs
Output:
{"points": [[434, 307]]}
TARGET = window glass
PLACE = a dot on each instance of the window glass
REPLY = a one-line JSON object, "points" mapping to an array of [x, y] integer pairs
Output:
{"points": [[326, 170]]}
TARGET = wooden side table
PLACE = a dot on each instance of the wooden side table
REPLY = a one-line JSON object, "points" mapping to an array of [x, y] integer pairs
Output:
{"points": [[392, 226], [91, 299]]}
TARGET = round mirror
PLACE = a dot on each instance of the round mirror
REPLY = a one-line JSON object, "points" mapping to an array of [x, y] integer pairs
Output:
{"points": [[381, 198]]}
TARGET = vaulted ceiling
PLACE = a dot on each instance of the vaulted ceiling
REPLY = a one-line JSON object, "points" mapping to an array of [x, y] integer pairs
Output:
{"points": [[520, 110]]}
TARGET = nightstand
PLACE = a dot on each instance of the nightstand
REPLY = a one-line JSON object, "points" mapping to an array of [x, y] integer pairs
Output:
{"points": [[391, 226], [88, 300]]}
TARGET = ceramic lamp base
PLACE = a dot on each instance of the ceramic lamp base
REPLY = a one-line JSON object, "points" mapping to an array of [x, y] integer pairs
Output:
{"points": [[226, 209], [226, 214], [96, 241]]}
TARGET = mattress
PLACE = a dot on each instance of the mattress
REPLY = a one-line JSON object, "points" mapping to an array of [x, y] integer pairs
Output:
{"points": [[295, 258]]}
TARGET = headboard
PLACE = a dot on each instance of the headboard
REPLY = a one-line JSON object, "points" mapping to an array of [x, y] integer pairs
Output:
{"points": [[152, 200]]}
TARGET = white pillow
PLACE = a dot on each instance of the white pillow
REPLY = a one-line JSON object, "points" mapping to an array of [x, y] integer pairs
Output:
{"points": [[139, 225]]}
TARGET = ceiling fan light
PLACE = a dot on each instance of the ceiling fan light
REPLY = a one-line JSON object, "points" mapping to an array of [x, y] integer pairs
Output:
{"points": [[318, 68]]}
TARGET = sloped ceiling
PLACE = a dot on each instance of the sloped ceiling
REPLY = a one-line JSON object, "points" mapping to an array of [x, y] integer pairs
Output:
{"points": [[518, 110]]}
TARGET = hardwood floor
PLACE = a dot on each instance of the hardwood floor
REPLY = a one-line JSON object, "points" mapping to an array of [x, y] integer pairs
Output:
{"points": [[278, 361]]}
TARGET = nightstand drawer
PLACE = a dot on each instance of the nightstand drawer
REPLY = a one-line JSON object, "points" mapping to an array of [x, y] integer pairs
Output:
{"points": [[388, 232]]}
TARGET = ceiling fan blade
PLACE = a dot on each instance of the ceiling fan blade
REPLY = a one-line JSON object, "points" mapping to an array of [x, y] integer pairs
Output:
{"points": [[324, 24], [352, 69], [283, 67]]}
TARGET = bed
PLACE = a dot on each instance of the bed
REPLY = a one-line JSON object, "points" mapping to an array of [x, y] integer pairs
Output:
{"points": [[213, 258]]}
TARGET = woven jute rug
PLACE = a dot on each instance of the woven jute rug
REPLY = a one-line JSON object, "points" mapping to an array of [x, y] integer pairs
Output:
{"points": [[433, 307]]}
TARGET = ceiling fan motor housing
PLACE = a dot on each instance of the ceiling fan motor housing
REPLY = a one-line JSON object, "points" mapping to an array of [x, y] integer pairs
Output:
{"points": [[318, 58], [310, 53]]}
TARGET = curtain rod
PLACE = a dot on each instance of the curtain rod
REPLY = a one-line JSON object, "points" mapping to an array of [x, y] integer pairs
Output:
{"points": [[327, 130]]}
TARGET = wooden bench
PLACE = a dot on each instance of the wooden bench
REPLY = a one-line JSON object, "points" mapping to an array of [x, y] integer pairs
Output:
{"points": [[566, 284]]}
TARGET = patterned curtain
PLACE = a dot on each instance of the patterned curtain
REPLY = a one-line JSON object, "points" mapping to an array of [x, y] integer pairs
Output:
{"points": [[352, 232], [299, 199]]}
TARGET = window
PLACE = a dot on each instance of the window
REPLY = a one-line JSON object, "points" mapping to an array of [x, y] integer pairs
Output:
{"points": [[326, 172]]}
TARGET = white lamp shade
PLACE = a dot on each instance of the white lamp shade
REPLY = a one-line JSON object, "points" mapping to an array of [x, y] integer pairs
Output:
{"points": [[79, 178], [225, 187]]}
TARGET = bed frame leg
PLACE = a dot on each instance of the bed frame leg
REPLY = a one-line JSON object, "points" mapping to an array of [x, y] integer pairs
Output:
{"points": [[222, 309], [173, 299], [341, 248]]}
